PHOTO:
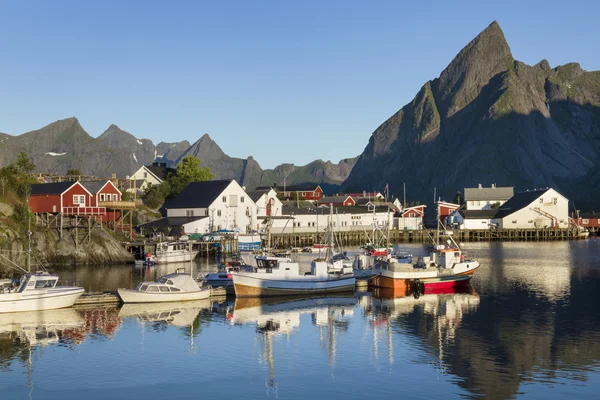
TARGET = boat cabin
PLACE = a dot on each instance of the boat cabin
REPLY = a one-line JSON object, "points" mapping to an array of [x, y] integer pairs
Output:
{"points": [[40, 280], [445, 257], [280, 266], [170, 283]]}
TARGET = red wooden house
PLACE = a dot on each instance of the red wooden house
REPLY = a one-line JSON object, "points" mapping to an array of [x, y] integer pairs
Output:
{"points": [[75, 199], [304, 192], [337, 201], [444, 210], [590, 221], [413, 212]]}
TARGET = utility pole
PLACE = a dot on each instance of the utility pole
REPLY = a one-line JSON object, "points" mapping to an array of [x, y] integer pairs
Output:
{"points": [[404, 204]]}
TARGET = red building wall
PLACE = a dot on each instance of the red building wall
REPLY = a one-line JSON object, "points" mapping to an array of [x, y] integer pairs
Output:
{"points": [[349, 202], [44, 203], [67, 197], [108, 189]]}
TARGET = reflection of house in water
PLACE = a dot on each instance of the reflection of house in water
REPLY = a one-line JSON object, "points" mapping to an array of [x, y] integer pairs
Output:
{"points": [[281, 316]]}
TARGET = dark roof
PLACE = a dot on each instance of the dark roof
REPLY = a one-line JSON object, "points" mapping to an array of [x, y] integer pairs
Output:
{"points": [[493, 193], [332, 199], [291, 188], [50, 188], [168, 222], [199, 194], [257, 194], [477, 214], [93, 186], [519, 201], [160, 171]]}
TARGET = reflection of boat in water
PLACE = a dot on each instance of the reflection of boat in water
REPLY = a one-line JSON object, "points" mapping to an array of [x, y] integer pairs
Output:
{"points": [[277, 316], [40, 327], [175, 313]]}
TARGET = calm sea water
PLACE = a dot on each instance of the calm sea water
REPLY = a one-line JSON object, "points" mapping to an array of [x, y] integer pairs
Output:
{"points": [[528, 328]]}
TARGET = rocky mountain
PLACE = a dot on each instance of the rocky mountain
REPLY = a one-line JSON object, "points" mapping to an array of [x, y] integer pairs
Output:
{"points": [[489, 118], [249, 173], [64, 144]]}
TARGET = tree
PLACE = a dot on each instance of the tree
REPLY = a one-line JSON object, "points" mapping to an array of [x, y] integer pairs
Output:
{"points": [[73, 171], [188, 171], [24, 164], [458, 198]]}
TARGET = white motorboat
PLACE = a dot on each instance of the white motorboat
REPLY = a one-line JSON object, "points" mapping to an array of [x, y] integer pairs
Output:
{"points": [[172, 287], [36, 291], [168, 252], [278, 276]]}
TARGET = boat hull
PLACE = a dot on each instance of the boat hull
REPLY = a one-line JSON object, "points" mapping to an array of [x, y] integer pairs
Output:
{"points": [[134, 296], [246, 285], [402, 280], [175, 257], [51, 299]]}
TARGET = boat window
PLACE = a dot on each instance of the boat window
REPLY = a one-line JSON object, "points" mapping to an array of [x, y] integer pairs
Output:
{"points": [[152, 289], [174, 289], [164, 289], [162, 280], [456, 254], [44, 284], [143, 287], [170, 282]]}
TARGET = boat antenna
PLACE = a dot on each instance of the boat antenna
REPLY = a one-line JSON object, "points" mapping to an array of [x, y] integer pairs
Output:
{"points": [[269, 222], [29, 245]]}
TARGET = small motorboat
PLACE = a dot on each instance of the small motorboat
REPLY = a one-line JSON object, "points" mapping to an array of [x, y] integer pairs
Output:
{"points": [[173, 287]]}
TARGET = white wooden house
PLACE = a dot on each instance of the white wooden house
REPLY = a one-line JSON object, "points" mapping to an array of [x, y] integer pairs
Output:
{"points": [[211, 206], [481, 198], [147, 175], [542, 208]]}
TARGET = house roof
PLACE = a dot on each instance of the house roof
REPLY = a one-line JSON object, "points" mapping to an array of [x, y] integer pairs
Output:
{"points": [[169, 222], [94, 186], [198, 194], [160, 171], [291, 188], [493, 193], [333, 199], [519, 201], [50, 188], [256, 194]]}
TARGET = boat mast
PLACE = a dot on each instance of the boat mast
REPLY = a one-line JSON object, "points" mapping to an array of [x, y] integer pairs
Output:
{"points": [[269, 222], [29, 246]]}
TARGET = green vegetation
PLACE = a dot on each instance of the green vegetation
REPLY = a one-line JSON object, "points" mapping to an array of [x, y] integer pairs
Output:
{"points": [[15, 187], [74, 172], [188, 171]]}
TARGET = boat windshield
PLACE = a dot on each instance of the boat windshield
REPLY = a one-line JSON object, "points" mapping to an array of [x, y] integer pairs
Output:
{"points": [[166, 281], [45, 283], [265, 263]]}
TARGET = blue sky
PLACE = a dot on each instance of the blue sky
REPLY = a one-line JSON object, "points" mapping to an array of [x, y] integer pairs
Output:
{"points": [[279, 80]]}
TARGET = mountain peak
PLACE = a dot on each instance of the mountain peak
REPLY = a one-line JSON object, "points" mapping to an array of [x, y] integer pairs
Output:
{"points": [[475, 65]]}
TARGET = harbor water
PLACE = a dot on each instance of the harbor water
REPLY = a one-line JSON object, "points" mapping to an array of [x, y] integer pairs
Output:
{"points": [[528, 327]]}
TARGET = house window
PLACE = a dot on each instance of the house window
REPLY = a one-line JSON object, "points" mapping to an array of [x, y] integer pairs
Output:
{"points": [[145, 175], [541, 200], [80, 200], [102, 197], [189, 213], [218, 213], [247, 210], [224, 198], [115, 197], [555, 200], [241, 199], [586, 221], [303, 194]]}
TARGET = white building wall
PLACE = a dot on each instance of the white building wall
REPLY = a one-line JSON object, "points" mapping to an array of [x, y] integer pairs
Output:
{"points": [[149, 178], [475, 223], [187, 212], [311, 223], [538, 213], [409, 223], [236, 211], [483, 204], [199, 226], [276, 207]]}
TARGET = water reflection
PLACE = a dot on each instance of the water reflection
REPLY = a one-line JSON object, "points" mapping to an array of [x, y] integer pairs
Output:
{"points": [[274, 317]]}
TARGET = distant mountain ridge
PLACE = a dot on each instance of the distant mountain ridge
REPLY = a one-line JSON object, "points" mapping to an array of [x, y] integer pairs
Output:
{"points": [[488, 119], [64, 144]]}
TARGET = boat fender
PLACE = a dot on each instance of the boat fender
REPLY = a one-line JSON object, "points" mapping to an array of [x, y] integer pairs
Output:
{"points": [[467, 266]]}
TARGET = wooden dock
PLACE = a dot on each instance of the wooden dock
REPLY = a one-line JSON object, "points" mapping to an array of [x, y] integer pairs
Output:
{"points": [[349, 238]]}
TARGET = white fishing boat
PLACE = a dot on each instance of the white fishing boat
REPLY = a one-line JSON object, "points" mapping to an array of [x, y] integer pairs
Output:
{"points": [[36, 291], [249, 242], [172, 287], [168, 252], [279, 276]]}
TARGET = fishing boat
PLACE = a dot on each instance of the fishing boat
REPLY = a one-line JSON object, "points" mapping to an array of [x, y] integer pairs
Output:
{"points": [[249, 242], [35, 291], [222, 277], [444, 267], [172, 287], [167, 252], [280, 276]]}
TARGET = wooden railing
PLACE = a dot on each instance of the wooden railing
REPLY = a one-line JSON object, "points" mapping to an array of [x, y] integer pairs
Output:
{"points": [[84, 211], [118, 205]]}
